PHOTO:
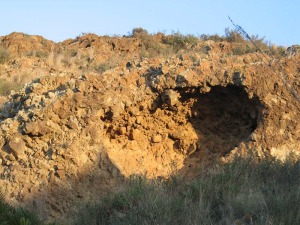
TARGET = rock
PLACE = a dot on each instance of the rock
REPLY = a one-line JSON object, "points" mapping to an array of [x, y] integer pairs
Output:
{"points": [[36, 128], [2, 140], [292, 51], [61, 174], [134, 111], [165, 69], [170, 97], [156, 138], [10, 157], [17, 146], [73, 123], [122, 131], [139, 120], [135, 134]]}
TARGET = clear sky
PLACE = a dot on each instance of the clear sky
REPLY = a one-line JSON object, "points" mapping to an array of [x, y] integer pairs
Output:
{"points": [[276, 20]]}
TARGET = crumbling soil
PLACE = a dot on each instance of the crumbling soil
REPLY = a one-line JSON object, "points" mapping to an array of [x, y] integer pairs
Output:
{"points": [[68, 139]]}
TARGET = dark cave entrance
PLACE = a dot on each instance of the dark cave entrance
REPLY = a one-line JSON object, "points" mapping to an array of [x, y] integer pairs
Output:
{"points": [[222, 118]]}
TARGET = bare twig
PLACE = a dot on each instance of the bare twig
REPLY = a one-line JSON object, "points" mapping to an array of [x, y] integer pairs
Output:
{"points": [[284, 77]]}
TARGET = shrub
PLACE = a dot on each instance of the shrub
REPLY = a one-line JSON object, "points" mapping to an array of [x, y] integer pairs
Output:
{"points": [[214, 37], [233, 36], [10, 215], [278, 51], [4, 55], [148, 45], [179, 41], [137, 32], [241, 50], [37, 53], [41, 54], [6, 87], [102, 67]]}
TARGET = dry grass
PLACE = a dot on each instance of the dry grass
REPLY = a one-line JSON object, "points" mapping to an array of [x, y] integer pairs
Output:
{"points": [[245, 191], [7, 86], [4, 55], [10, 215]]}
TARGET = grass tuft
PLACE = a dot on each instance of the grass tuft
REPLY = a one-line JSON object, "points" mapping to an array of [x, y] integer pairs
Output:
{"points": [[245, 191], [10, 215], [4, 55]]}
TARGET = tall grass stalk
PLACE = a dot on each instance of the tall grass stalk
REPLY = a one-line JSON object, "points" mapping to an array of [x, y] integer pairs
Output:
{"points": [[245, 191]]}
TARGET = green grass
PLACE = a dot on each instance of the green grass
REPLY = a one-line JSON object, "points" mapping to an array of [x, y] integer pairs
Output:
{"points": [[179, 41], [7, 86], [10, 215], [4, 55], [37, 53], [102, 67], [245, 191]]}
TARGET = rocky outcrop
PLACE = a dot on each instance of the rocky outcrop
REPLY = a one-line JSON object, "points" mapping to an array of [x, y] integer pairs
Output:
{"points": [[68, 139], [20, 43], [292, 51]]}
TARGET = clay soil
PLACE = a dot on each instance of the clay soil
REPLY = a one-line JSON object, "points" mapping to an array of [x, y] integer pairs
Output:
{"points": [[96, 111]]}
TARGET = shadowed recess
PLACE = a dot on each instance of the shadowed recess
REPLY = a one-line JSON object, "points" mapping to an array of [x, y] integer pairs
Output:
{"points": [[222, 117]]}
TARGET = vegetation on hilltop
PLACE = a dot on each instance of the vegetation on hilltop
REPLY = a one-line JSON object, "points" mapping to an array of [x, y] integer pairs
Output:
{"points": [[77, 54], [178, 41]]}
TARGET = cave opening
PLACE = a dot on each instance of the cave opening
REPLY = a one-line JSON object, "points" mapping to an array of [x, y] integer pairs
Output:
{"points": [[222, 118]]}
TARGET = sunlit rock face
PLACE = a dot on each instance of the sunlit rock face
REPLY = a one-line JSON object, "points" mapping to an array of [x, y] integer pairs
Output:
{"points": [[70, 137]]}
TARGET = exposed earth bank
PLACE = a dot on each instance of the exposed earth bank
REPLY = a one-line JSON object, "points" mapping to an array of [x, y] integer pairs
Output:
{"points": [[72, 136]]}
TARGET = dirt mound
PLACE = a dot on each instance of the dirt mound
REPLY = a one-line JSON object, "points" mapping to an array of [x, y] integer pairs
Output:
{"points": [[68, 139], [26, 57], [20, 43]]}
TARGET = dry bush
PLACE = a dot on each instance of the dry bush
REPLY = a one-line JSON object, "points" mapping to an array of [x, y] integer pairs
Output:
{"points": [[10, 215], [37, 53], [179, 41], [4, 55], [7, 86]]}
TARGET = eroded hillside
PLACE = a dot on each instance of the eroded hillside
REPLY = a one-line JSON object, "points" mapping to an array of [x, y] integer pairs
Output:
{"points": [[87, 122]]}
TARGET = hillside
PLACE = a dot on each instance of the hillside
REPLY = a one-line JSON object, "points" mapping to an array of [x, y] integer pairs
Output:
{"points": [[96, 110]]}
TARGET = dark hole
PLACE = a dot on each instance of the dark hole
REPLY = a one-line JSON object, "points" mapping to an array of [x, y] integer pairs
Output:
{"points": [[223, 117]]}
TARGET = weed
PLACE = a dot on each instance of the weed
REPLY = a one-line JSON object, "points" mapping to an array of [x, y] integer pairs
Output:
{"points": [[6, 87], [244, 191], [214, 37], [10, 215], [242, 50], [280, 72], [233, 36], [179, 41], [102, 67], [37, 53], [4, 55]]}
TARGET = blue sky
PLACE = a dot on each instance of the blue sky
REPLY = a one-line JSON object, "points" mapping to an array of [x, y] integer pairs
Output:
{"points": [[277, 20]]}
